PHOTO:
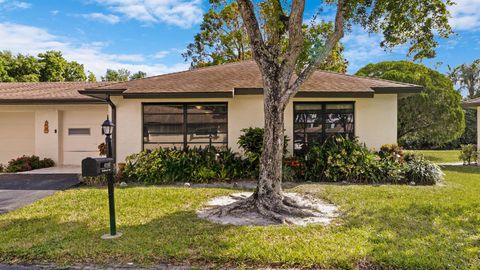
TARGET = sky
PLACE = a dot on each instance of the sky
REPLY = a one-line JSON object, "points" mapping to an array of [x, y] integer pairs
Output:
{"points": [[150, 35]]}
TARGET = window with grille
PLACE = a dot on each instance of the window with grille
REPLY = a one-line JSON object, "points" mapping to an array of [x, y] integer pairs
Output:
{"points": [[314, 122], [185, 125]]}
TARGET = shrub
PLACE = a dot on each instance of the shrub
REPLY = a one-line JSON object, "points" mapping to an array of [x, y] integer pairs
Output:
{"points": [[2, 168], [421, 171], [391, 152], [340, 159], [28, 163], [469, 154], [293, 169], [94, 181], [200, 165]]}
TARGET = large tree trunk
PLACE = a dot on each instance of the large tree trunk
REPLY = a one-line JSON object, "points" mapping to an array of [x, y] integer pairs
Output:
{"points": [[269, 188], [268, 199]]}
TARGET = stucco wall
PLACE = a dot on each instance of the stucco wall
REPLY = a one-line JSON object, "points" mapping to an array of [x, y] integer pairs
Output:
{"points": [[375, 119], [17, 135], [50, 144]]}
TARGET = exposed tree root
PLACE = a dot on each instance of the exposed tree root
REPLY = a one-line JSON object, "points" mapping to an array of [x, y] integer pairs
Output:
{"points": [[284, 210]]}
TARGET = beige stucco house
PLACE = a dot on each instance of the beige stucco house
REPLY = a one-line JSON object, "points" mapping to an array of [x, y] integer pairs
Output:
{"points": [[191, 108], [475, 103]]}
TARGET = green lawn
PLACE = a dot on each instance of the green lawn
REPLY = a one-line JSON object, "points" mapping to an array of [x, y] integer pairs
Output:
{"points": [[394, 226], [440, 156]]}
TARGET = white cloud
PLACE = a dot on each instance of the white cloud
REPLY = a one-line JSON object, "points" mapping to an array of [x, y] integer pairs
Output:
{"points": [[161, 54], [183, 13], [128, 57], [465, 15], [33, 40], [107, 18], [5, 4]]}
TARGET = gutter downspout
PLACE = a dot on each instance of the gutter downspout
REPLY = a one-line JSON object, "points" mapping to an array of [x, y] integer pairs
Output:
{"points": [[114, 120]]}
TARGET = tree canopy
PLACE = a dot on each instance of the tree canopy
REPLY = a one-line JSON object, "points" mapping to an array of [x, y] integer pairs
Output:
{"points": [[435, 116], [122, 75], [223, 39], [467, 76], [50, 66]]}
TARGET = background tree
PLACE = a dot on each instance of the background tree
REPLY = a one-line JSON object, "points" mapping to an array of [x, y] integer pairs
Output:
{"points": [[467, 76], [74, 72], [119, 75], [138, 75], [48, 66], [91, 77], [435, 117], [19, 68], [276, 48], [223, 39], [122, 75]]}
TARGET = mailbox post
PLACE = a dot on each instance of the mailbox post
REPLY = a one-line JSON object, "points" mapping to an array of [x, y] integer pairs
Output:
{"points": [[107, 128], [104, 166]]}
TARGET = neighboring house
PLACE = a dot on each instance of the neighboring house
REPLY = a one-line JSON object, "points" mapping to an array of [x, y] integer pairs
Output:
{"points": [[475, 103], [50, 119], [211, 105]]}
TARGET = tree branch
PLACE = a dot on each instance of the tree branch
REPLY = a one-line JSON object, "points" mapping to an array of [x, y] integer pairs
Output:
{"points": [[295, 44], [259, 50], [333, 39]]}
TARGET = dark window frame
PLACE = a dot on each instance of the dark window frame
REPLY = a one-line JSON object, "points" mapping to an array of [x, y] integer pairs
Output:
{"points": [[185, 133], [323, 113]]}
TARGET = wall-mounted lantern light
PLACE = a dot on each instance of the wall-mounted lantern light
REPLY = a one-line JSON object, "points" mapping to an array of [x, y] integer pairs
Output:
{"points": [[45, 127]]}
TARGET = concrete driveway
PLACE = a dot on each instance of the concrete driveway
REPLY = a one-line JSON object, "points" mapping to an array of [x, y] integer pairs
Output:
{"points": [[18, 190]]}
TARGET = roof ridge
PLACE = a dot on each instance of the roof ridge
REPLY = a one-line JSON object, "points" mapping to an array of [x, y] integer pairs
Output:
{"points": [[64, 82], [200, 68], [367, 78], [180, 72]]}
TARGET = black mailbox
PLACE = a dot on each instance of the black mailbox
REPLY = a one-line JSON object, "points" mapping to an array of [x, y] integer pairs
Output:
{"points": [[96, 166]]}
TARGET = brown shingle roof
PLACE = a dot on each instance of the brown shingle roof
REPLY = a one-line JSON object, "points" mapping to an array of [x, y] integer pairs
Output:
{"points": [[45, 92], [246, 76], [471, 103]]}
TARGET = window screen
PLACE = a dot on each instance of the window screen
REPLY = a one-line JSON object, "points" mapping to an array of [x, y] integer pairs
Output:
{"points": [[182, 125], [315, 122]]}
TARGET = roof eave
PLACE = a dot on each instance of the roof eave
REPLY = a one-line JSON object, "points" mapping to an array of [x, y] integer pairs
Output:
{"points": [[471, 105], [398, 90], [49, 101], [101, 94], [318, 94], [225, 94]]}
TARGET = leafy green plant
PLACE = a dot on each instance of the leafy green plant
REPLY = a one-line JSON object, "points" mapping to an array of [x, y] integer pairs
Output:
{"points": [[94, 181], [251, 141], [340, 159], [28, 163], [421, 171], [469, 154], [197, 165]]}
